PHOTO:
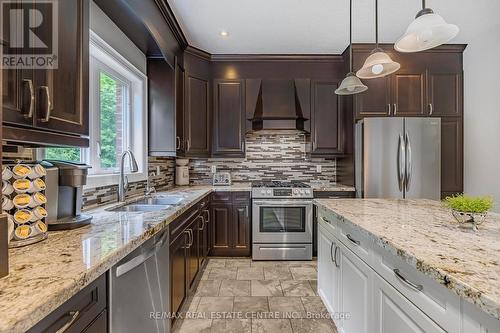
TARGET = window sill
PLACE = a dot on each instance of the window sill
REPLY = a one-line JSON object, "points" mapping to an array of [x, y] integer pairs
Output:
{"points": [[94, 181]]}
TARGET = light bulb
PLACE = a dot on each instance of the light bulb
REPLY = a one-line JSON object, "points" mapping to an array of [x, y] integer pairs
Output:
{"points": [[377, 68]]}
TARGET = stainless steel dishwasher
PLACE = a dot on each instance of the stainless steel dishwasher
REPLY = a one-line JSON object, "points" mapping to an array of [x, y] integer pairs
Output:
{"points": [[140, 289]]}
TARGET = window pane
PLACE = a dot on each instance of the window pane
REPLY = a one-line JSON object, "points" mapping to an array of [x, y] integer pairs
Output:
{"points": [[111, 116], [64, 154]]}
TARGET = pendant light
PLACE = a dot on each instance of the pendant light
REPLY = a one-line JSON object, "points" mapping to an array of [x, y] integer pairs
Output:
{"points": [[378, 64], [351, 84], [428, 30]]}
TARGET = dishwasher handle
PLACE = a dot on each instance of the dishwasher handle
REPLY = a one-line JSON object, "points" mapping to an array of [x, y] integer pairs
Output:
{"points": [[136, 261]]}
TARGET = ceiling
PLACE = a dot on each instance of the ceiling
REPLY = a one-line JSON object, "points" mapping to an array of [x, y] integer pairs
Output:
{"points": [[303, 26]]}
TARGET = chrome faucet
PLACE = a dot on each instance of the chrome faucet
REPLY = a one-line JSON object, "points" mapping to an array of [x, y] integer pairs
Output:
{"points": [[123, 183]]}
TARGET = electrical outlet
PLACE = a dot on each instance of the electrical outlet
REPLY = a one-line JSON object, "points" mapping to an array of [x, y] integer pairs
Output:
{"points": [[214, 168], [318, 168], [157, 170]]}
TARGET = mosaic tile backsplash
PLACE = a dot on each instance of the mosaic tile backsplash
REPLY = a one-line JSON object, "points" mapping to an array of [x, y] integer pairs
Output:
{"points": [[97, 196], [270, 155]]}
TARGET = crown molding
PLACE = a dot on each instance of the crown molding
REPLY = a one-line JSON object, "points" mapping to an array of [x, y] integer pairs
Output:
{"points": [[332, 58], [368, 47], [198, 53], [172, 23]]}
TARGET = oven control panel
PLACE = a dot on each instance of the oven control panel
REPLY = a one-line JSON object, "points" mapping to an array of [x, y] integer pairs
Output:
{"points": [[282, 193]]}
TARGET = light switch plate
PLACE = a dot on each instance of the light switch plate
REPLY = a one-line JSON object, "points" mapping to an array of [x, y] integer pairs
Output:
{"points": [[157, 170], [318, 168], [214, 169]]}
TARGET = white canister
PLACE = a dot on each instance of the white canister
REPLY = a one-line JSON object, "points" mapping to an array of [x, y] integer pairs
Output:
{"points": [[7, 203], [6, 173]]}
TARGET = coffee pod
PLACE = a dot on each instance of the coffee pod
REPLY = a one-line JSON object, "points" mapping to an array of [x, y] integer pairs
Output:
{"points": [[21, 171], [37, 199], [22, 216], [7, 204], [10, 227], [38, 228], [7, 188], [37, 185], [39, 213], [6, 173], [22, 200], [22, 232], [37, 171], [21, 185]]}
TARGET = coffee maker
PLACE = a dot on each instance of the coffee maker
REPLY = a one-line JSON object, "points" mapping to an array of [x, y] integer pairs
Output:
{"points": [[65, 182]]}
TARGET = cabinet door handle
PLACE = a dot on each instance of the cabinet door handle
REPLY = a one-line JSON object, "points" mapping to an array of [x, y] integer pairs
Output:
{"points": [[335, 256], [415, 286], [188, 144], [202, 225], [207, 220], [395, 108], [178, 143], [331, 254], [74, 315], [246, 211], [29, 95], [326, 220], [431, 109], [349, 237], [388, 109], [45, 114]]}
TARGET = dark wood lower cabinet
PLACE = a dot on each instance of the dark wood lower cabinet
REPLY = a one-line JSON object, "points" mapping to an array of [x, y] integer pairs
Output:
{"points": [[231, 224], [178, 272], [99, 325], [84, 312]]}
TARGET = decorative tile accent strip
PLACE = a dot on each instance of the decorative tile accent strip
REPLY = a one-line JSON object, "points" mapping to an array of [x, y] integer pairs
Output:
{"points": [[276, 155], [93, 197]]}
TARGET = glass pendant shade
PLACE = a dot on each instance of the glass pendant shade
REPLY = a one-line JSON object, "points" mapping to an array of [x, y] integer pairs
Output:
{"points": [[378, 64], [351, 85], [427, 31]]}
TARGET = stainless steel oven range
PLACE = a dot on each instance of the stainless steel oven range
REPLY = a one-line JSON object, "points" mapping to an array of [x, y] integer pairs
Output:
{"points": [[281, 221]]}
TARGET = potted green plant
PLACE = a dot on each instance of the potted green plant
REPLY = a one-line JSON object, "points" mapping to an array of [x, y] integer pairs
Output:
{"points": [[469, 210]]}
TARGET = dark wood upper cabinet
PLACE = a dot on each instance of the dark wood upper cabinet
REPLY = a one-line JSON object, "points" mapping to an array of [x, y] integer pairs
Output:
{"points": [[62, 93], [179, 108], [326, 116], [197, 117], [51, 106], [229, 118], [444, 94], [407, 94], [161, 108], [375, 102]]}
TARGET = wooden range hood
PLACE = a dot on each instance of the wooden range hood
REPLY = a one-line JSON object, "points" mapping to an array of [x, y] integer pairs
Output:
{"points": [[278, 107]]}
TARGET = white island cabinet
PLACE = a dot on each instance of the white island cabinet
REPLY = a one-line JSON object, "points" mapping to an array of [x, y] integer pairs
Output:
{"points": [[367, 289]]}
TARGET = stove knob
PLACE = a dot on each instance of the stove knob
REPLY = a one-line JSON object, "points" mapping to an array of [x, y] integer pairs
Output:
{"points": [[301, 191], [262, 191], [269, 192], [295, 191]]}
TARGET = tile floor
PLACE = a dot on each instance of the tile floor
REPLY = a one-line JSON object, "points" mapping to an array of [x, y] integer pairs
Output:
{"points": [[243, 296]]}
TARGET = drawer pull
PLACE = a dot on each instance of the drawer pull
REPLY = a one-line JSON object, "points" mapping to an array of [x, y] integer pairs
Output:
{"points": [[74, 316], [349, 237], [326, 220], [335, 256], [415, 286]]}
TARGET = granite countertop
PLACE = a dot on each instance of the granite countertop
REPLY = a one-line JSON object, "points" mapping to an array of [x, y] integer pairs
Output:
{"points": [[45, 275], [425, 235], [333, 187]]}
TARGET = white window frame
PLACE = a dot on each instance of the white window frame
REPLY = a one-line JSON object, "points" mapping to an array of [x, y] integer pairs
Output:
{"points": [[104, 57]]}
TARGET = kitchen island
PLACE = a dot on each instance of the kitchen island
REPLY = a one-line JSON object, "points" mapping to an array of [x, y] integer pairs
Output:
{"points": [[407, 259]]}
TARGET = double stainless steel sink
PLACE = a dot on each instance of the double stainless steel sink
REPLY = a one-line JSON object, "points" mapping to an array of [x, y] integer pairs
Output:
{"points": [[152, 204]]}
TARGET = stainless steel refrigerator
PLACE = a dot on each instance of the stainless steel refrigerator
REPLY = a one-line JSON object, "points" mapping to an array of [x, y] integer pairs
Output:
{"points": [[398, 158]]}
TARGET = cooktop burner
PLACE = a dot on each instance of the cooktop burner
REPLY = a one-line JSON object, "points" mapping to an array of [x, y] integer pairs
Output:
{"points": [[277, 183]]}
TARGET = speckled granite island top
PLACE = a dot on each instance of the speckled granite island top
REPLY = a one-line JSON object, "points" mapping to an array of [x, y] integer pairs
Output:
{"points": [[45, 275], [424, 234]]}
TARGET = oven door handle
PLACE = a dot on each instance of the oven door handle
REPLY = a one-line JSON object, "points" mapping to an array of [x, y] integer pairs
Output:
{"points": [[280, 203]]}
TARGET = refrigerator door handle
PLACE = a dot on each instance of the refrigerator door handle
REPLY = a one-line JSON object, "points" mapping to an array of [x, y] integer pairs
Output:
{"points": [[401, 162], [408, 163]]}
